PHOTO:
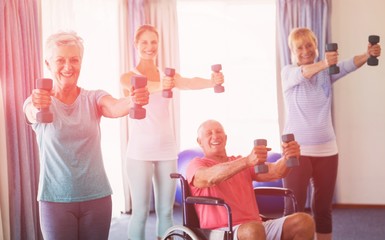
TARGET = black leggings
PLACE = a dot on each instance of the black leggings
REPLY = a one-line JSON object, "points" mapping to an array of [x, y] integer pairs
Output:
{"points": [[321, 172]]}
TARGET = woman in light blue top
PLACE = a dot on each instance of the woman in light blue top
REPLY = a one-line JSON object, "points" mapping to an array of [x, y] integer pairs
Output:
{"points": [[307, 90], [74, 193]]}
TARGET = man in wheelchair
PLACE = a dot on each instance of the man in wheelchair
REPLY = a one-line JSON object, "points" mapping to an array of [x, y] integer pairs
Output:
{"points": [[230, 178]]}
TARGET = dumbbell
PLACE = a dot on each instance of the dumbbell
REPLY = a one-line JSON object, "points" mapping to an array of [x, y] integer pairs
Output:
{"points": [[170, 72], [261, 167], [372, 60], [137, 111], [44, 115], [332, 47], [218, 88], [292, 161]]}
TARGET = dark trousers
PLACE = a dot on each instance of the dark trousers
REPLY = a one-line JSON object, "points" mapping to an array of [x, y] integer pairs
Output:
{"points": [[321, 172]]}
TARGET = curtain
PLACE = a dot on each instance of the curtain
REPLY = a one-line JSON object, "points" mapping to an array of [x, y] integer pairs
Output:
{"points": [[131, 15], [313, 14], [20, 65], [162, 14], [4, 200]]}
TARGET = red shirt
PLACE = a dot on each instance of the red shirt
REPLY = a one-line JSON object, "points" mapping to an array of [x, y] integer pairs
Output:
{"points": [[236, 191]]}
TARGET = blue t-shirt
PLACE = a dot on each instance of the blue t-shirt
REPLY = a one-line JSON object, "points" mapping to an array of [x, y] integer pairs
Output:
{"points": [[71, 164]]}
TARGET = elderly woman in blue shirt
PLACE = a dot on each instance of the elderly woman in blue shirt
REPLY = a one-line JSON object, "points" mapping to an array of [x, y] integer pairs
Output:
{"points": [[307, 90], [74, 193]]}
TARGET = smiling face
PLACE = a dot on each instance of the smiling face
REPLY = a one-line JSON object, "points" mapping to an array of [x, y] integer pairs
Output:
{"points": [[147, 45], [212, 138], [305, 51], [303, 45], [65, 64]]}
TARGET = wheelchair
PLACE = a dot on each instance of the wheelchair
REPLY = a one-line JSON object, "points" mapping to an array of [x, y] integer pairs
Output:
{"points": [[190, 228]]}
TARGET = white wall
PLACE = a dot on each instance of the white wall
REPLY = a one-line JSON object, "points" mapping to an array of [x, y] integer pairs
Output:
{"points": [[359, 111]]}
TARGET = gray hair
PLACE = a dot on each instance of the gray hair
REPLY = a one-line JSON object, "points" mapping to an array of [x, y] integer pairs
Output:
{"points": [[63, 39]]}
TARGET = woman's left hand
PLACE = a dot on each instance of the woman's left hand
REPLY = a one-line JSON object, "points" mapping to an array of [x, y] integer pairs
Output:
{"points": [[374, 50]]}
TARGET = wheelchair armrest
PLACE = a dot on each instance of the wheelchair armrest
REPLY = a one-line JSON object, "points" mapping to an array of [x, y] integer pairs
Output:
{"points": [[277, 191], [217, 202], [202, 200], [273, 191], [205, 200], [176, 175]]}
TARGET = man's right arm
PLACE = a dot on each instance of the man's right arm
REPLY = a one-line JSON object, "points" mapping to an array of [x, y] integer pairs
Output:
{"points": [[279, 169], [210, 176]]}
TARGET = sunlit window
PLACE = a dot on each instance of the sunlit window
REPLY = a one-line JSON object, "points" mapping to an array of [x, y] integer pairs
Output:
{"points": [[240, 35]]}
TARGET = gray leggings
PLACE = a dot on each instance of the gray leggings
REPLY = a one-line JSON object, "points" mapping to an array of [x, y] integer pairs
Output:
{"points": [[89, 220], [321, 172], [141, 176]]}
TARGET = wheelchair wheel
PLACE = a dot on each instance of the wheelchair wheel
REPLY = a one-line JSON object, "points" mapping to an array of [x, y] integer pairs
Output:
{"points": [[178, 232]]}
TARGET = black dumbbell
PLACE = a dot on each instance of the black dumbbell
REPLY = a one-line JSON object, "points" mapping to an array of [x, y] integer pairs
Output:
{"points": [[137, 111], [372, 60], [170, 72], [44, 115], [261, 168], [218, 88], [332, 47], [292, 161]]}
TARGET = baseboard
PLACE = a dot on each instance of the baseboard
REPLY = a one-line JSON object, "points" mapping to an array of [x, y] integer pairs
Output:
{"points": [[359, 206]]}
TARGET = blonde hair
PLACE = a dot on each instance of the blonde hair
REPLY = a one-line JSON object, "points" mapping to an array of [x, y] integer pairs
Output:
{"points": [[299, 34], [144, 28], [63, 39]]}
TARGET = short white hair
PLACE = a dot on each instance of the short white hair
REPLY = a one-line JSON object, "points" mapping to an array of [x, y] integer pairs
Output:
{"points": [[63, 38]]}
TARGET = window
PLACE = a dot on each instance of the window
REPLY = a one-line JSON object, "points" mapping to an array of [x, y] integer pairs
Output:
{"points": [[240, 35]]}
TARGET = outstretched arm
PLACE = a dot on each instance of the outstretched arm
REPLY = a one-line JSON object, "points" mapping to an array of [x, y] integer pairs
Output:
{"points": [[39, 99], [278, 169], [373, 50], [114, 108], [209, 176], [309, 70], [125, 82], [197, 82]]}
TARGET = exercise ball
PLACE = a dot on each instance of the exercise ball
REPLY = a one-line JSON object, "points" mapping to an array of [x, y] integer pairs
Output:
{"points": [[184, 158]]}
